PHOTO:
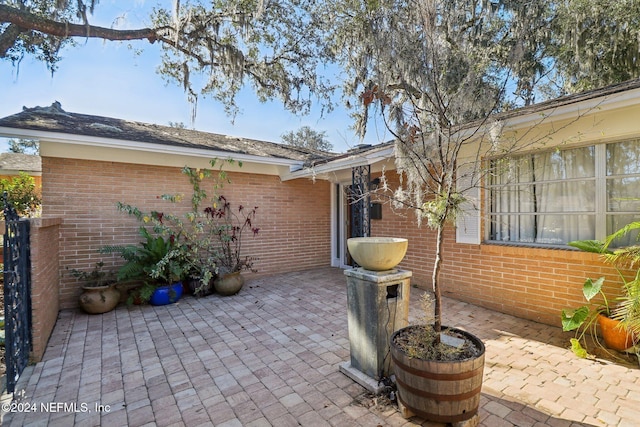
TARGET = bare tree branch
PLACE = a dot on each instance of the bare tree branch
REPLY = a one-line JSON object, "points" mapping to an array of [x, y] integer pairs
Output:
{"points": [[30, 22], [9, 37]]}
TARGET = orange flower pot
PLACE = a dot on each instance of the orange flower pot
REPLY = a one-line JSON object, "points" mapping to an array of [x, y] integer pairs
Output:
{"points": [[615, 337]]}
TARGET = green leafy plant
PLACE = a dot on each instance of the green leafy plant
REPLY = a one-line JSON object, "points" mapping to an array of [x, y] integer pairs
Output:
{"points": [[627, 310], [227, 227], [141, 294], [583, 319], [206, 240], [23, 194], [96, 277], [156, 257], [156, 261], [627, 306]]}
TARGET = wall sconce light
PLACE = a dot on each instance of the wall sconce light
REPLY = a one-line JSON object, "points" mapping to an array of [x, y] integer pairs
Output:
{"points": [[373, 185]]}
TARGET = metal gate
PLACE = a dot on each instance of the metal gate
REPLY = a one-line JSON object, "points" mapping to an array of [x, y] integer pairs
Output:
{"points": [[17, 294]]}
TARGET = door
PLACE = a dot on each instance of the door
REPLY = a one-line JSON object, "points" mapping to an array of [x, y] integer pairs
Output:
{"points": [[341, 220]]}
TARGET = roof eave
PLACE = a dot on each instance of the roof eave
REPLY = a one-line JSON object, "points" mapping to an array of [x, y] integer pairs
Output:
{"points": [[325, 169], [122, 144], [558, 111]]}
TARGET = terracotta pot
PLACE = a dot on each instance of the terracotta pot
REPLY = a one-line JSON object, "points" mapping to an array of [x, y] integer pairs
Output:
{"points": [[615, 337], [229, 284], [439, 391], [99, 299]]}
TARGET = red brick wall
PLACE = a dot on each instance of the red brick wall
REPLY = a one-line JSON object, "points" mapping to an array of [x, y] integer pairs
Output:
{"points": [[293, 216], [531, 283], [294, 221], [44, 281]]}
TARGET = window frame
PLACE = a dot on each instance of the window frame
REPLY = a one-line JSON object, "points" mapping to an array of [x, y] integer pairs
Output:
{"points": [[600, 212]]}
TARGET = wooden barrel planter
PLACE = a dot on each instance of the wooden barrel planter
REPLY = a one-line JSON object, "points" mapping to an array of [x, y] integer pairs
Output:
{"points": [[440, 391]]}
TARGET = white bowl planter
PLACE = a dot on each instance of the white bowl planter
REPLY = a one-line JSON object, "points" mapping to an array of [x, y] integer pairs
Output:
{"points": [[377, 253]]}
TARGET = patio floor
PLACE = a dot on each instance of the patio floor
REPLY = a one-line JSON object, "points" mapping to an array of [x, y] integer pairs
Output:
{"points": [[270, 356]]}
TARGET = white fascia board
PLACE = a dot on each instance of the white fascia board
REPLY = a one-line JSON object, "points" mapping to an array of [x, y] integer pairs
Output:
{"points": [[572, 110], [325, 170], [144, 147]]}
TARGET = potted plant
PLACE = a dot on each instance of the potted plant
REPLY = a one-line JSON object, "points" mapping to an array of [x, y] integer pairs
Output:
{"points": [[619, 323], [228, 227], [430, 111], [438, 374], [99, 293], [205, 242], [158, 262]]}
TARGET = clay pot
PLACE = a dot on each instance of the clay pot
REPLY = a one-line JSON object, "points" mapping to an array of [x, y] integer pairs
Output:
{"points": [[228, 284], [99, 299], [615, 337]]}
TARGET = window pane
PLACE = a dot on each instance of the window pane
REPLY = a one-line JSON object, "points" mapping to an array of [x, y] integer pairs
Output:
{"points": [[623, 194], [513, 199], [568, 196], [616, 222], [560, 229], [513, 228], [534, 197], [566, 164], [544, 229], [623, 158]]}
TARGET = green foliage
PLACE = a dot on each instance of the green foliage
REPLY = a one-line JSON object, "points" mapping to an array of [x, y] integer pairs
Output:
{"points": [[307, 138], [155, 258], [593, 246], [596, 42], [281, 49], [627, 307], [577, 349], [572, 320], [18, 42], [583, 319], [95, 277], [24, 146], [443, 209], [208, 48], [22, 194], [471, 58], [141, 294], [199, 244]]}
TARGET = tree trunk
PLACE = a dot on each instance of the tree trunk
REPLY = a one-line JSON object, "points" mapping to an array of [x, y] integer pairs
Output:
{"points": [[435, 278]]}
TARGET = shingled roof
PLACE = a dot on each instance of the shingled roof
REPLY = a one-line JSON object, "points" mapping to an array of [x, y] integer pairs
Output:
{"points": [[20, 162], [55, 119]]}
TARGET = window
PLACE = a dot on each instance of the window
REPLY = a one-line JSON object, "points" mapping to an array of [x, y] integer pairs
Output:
{"points": [[557, 196]]}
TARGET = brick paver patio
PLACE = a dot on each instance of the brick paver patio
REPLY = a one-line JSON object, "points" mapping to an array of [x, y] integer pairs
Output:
{"points": [[270, 356]]}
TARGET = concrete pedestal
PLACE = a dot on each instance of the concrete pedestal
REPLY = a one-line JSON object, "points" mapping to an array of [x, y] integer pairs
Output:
{"points": [[378, 305]]}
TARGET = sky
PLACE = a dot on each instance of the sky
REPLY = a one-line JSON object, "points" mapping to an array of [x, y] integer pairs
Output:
{"points": [[109, 79]]}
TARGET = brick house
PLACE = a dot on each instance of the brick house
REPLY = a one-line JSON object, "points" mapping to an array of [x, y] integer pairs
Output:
{"points": [[507, 256]]}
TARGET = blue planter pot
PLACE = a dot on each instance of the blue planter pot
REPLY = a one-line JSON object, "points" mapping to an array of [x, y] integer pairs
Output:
{"points": [[164, 295]]}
